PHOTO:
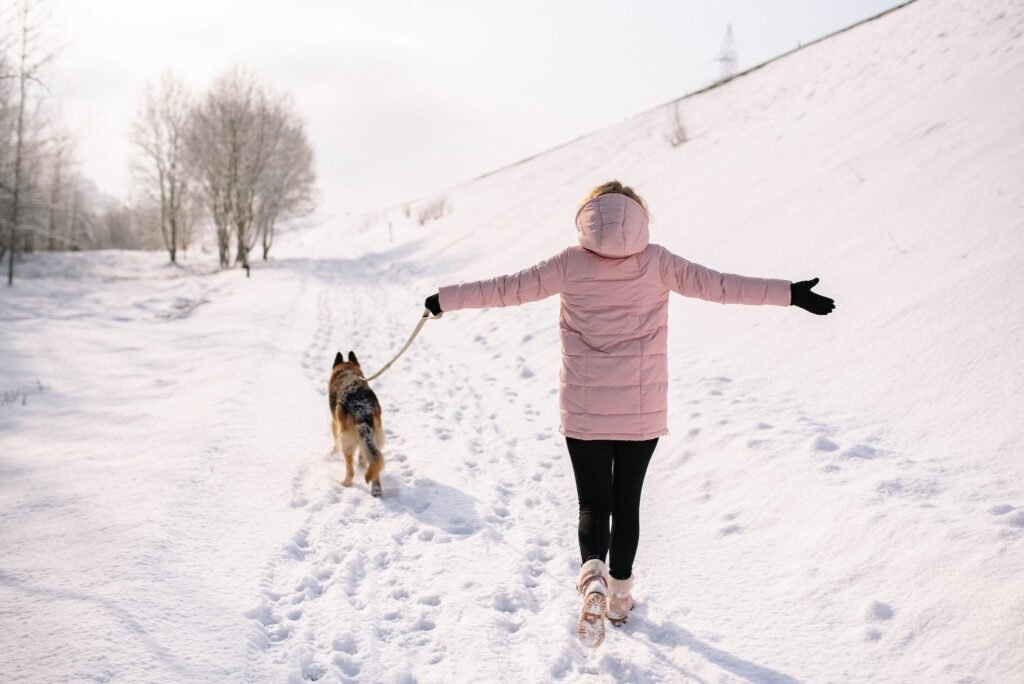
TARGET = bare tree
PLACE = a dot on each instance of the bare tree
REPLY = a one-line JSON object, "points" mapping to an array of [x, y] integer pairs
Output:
{"points": [[76, 215], [56, 167], [8, 122], [252, 160], [265, 126], [677, 129], [191, 215], [33, 195], [26, 67], [217, 137], [433, 210], [56, 188], [159, 133], [286, 188]]}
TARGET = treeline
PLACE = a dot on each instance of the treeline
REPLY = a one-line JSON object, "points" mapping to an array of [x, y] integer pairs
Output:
{"points": [[233, 162], [237, 154], [44, 201]]}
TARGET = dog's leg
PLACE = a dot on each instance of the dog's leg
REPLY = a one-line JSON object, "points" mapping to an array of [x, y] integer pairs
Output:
{"points": [[349, 471], [368, 432], [373, 476], [336, 437], [348, 448]]}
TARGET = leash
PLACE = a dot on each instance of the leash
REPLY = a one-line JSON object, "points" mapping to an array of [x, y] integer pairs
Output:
{"points": [[419, 326]]}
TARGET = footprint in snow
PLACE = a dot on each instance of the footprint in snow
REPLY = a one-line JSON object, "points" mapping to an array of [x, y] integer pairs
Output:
{"points": [[1015, 519], [876, 611], [862, 451], [823, 443], [909, 488], [706, 491], [346, 644], [313, 671], [347, 666]]}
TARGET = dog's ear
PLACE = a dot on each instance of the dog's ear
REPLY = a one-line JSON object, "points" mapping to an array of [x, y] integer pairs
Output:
{"points": [[352, 358], [338, 359]]}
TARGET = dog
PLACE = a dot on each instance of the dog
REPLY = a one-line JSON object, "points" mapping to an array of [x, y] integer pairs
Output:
{"points": [[355, 420]]}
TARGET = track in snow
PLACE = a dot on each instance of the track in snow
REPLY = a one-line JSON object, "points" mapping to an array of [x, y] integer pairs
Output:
{"points": [[471, 548], [362, 589]]}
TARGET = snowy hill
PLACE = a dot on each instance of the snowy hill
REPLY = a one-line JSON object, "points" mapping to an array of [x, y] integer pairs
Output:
{"points": [[840, 499]]}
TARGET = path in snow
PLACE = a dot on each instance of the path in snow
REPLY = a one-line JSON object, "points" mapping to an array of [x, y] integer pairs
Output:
{"points": [[471, 549]]}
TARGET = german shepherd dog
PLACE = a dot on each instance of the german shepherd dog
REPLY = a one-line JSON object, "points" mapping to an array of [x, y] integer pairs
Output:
{"points": [[355, 420]]}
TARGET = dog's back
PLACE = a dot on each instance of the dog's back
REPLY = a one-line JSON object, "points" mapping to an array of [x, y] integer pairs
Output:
{"points": [[356, 419]]}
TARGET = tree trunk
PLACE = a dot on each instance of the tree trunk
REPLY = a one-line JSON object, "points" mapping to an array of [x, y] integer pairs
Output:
{"points": [[223, 246], [73, 223], [268, 239], [51, 242], [173, 247], [243, 252], [172, 215], [17, 168]]}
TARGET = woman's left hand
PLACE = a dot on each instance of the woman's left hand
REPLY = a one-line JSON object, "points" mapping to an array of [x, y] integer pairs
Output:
{"points": [[801, 295]]}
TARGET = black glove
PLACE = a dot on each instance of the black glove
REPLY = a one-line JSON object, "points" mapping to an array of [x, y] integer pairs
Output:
{"points": [[433, 304], [801, 295]]}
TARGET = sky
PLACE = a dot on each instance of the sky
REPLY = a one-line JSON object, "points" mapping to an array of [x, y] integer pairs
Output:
{"points": [[402, 99]]}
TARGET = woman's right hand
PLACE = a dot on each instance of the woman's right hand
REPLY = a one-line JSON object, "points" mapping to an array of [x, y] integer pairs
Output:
{"points": [[433, 304]]}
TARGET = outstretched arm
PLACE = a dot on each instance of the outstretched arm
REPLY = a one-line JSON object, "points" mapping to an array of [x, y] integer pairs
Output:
{"points": [[537, 282], [693, 280]]}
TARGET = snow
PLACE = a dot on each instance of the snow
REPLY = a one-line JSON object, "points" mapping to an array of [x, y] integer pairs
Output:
{"points": [[840, 499]]}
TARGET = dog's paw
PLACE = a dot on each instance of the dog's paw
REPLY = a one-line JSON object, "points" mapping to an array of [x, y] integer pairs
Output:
{"points": [[347, 482], [375, 489]]}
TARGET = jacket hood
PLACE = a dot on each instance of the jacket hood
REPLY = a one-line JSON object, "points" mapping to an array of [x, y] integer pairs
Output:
{"points": [[612, 225]]}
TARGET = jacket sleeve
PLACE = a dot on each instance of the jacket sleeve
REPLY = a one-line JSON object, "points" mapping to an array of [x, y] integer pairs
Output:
{"points": [[693, 280], [537, 282]]}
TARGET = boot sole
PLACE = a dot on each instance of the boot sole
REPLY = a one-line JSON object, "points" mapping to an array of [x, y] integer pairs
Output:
{"points": [[591, 625]]}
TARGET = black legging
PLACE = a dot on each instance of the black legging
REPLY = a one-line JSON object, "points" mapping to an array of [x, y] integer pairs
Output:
{"points": [[609, 476]]}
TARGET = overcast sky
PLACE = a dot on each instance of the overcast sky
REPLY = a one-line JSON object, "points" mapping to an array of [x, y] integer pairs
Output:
{"points": [[402, 99]]}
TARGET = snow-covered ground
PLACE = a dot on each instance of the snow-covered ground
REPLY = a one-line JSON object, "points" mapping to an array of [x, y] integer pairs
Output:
{"points": [[840, 499]]}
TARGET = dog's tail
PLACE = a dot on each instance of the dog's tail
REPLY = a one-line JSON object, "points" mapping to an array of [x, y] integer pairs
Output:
{"points": [[368, 435]]}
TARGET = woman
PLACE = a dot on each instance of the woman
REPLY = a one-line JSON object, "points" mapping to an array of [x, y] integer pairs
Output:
{"points": [[614, 291]]}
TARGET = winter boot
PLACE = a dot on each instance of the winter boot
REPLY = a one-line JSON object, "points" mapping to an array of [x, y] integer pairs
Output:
{"points": [[620, 600], [593, 584]]}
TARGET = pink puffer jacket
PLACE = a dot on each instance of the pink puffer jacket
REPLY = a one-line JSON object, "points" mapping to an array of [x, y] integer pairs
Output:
{"points": [[614, 316]]}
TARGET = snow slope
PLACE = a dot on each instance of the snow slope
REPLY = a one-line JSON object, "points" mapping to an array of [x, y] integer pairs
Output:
{"points": [[840, 499]]}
